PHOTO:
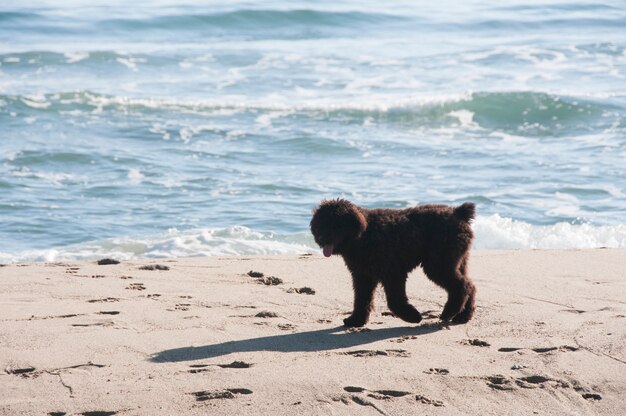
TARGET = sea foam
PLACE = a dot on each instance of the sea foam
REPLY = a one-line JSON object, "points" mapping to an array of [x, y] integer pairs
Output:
{"points": [[496, 232], [491, 232]]}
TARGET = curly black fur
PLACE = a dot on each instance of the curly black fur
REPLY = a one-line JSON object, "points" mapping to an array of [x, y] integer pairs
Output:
{"points": [[385, 245]]}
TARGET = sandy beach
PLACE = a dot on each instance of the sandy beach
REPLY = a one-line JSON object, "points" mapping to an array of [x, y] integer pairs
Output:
{"points": [[202, 336]]}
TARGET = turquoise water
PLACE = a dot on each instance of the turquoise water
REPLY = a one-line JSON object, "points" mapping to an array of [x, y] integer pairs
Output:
{"points": [[173, 129]]}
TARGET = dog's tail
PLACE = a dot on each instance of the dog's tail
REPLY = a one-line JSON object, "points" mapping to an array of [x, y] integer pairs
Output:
{"points": [[465, 212]]}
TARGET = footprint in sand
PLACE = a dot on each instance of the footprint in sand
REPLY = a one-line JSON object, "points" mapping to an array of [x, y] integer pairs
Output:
{"points": [[356, 330], [104, 324], [476, 342], [530, 382], [201, 368], [426, 400], [440, 371], [219, 394], [24, 372], [266, 314], [500, 382], [154, 267], [377, 394], [374, 394], [265, 280], [352, 389], [105, 262], [539, 350], [585, 392], [98, 413], [103, 300], [271, 281], [387, 394], [509, 349], [28, 372], [364, 402], [71, 315], [404, 338], [136, 286], [198, 368], [302, 291], [576, 311], [377, 353], [235, 364]]}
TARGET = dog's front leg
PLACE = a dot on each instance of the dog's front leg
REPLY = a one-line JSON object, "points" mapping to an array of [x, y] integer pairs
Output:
{"points": [[395, 290], [364, 288]]}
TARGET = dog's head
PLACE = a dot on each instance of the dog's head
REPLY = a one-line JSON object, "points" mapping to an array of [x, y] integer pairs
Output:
{"points": [[336, 222]]}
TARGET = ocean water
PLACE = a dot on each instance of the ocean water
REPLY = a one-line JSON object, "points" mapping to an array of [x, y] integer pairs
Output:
{"points": [[167, 128]]}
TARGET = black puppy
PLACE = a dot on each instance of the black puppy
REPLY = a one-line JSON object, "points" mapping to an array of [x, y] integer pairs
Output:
{"points": [[384, 245]]}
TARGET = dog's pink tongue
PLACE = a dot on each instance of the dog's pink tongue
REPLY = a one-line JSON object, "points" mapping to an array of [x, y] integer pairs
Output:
{"points": [[328, 250]]}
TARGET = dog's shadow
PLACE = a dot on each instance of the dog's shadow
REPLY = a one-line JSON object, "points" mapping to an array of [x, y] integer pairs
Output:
{"points": [[310, 341]]}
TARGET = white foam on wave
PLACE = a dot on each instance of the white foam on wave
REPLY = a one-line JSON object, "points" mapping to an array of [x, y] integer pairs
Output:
{"points": [[37, 101], [55, 178], [466, 119], [73, 57], [496, 232], [230, 241], [275, 102], [135, 176], [131, 62], [492, 232], [266, 120]]}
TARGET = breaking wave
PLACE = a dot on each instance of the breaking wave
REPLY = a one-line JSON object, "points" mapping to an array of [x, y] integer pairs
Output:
{"points": [[492, 232]]}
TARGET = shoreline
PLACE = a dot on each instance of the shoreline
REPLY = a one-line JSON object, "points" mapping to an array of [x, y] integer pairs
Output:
{"points": [[491, 232], [306, 251], [205, 337]]}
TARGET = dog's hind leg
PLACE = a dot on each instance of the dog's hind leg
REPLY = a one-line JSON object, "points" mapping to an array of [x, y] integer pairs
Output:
{"points": [[468, 310], [459, 287], [364, 288], [395, 290]]}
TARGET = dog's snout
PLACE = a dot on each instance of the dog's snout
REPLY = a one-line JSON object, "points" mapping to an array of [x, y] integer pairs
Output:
{"points": [[323, 240]]}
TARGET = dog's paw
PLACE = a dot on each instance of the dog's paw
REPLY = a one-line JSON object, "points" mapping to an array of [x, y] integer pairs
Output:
{"points": [[458, 319], [463, 317], [413, 318], [445, 318], [408, 313], [355, 320]]}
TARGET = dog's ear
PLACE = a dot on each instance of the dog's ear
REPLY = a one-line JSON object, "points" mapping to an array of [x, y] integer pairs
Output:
{"points": [[359, 221]]}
